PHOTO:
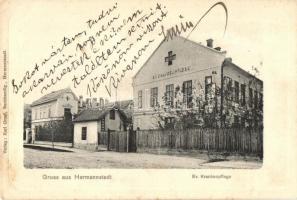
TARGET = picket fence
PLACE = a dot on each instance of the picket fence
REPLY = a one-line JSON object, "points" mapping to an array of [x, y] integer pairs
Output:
{"points": [[232, 140]]}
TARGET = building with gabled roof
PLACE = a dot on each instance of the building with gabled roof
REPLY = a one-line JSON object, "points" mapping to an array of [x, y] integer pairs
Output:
{"points": [[91, 125], [183, 66], [55, 106]]}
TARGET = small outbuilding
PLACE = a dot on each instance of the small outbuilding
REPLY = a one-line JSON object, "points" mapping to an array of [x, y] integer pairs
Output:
{"points": [[91, 126]]}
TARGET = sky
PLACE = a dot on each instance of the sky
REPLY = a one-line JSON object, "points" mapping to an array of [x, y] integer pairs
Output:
{"points": [[37, 27]]}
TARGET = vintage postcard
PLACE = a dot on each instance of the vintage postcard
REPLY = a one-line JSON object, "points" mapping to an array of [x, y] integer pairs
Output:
{"points": [[148, 99]]}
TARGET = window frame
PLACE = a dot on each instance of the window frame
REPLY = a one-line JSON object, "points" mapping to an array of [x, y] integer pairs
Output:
{"points": [[242, 94], [154, 97], [169, 94], [187, 90], [112, 114], [140, 95], [228, 82], [236, 91], [84, 130], [251, 97], [207, 86]]}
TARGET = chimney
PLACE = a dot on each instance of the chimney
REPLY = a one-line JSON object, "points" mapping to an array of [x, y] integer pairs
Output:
{"points": [[80, 101], [94, 102], [88, 102], [229, 59], [218, 48], [209, 43], [101, 102]]}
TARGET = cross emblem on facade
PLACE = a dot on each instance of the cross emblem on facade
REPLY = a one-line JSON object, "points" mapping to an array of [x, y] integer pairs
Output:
{"points": [[170, 58]]}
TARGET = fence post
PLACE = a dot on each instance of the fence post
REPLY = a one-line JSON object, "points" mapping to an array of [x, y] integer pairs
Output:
{"points": [[108, 138], [128, 134]]}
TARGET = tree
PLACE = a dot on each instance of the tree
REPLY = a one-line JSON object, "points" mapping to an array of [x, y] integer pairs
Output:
{"points": [[201, 108], [189, 110]]}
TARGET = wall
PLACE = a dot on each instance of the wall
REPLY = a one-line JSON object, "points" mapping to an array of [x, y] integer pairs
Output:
{"points": [[91, 142], [243, 77], [54, 109], [206, 61], [115, 124], [44, 111], [72, 103]]}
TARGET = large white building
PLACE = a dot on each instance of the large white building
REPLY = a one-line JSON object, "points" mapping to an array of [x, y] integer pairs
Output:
{"points": [[184, 64]]}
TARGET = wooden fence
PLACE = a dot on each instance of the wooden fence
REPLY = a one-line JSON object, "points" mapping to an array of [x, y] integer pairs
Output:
{"points": [[216, 140], [120, 141]]}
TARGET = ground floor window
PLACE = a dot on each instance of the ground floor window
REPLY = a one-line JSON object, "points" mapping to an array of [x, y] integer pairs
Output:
{"points": [[154, 97], [169, 122], [169, 94], [83, 133], [187, 91], [67, 114]]}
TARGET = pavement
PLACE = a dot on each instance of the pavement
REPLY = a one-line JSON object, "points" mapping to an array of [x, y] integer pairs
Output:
{"points": [[42, 155]]}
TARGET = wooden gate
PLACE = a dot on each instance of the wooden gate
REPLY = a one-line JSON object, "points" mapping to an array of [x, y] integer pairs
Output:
{"points": [[121, 141], [102, 140], [132, 141]]}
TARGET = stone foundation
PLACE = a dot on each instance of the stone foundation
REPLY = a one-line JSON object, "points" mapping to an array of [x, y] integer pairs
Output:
{"points": [[88, 147]]}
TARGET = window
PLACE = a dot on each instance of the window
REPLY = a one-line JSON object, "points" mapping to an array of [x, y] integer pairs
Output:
{"points": [[250, 97], [228, 88], [261, 101], [242, 94], [256, 99], [236, 121], [112, 115], [154, 96], [169, 122], [242, 122], [140, 99], [49, 112], [67, 114], [169, 94], [187, 91], [208, 84], [103, 124], [83, 133], [236, 85], [36, 114]]}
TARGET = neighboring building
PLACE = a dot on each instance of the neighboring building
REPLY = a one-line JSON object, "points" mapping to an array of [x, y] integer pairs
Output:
{"points": [[243, 95], [92, 124], [91, 103], [183, 65], [27, 119], [55, 106]]}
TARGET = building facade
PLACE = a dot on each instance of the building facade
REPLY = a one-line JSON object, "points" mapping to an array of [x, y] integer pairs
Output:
{"points": [[55, 106], [185, 75], [91, 125]]}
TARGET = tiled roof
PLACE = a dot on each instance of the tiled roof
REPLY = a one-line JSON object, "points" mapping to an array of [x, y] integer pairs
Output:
{"points": [[96, 114], [52, 96], [124, 107], [93, 114]]}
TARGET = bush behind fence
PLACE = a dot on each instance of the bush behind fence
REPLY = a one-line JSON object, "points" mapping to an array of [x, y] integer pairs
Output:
{"points": [[60, 131]]}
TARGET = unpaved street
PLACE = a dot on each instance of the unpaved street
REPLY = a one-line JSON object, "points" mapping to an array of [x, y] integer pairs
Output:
{"points": [[40, 158]]}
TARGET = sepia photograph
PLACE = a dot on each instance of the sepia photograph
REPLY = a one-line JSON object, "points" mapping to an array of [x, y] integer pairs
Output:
{"points": [[148, 99], [192, 107]]}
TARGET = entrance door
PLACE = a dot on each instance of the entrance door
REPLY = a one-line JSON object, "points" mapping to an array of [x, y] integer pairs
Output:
{"points": [[102, 141]]}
